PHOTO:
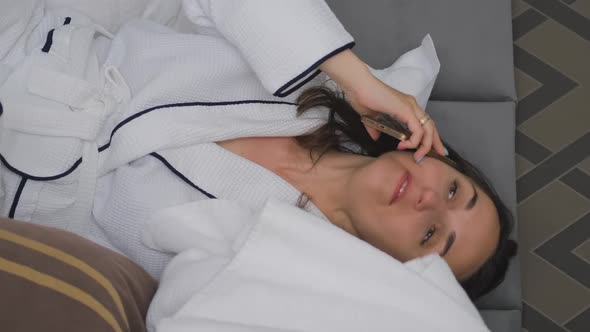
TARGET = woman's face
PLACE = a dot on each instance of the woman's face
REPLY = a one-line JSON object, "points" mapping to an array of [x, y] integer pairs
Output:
{"points": [[409, 210]]}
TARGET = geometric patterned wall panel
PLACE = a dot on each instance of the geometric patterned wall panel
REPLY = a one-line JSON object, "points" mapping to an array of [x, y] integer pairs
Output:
{"points": [[552, 71]]}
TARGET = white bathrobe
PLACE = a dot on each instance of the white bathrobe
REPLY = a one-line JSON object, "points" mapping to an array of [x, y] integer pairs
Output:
{"points": [[91, 123], [106, 125], [280, 269], [99, 131]]}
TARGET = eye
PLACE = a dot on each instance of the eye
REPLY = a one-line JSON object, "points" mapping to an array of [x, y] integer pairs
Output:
{"points": [[453, 189], [428, 235]]}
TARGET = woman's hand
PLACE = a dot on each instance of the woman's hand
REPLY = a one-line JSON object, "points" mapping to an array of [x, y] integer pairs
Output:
{"points": [[375, 96], [368, 95]]}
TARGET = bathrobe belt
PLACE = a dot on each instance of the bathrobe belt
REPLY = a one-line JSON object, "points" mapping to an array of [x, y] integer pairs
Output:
{"points": [[67, 99]]}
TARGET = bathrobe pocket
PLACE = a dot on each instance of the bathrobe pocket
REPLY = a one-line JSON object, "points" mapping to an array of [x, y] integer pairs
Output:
{"points": [[55, 103]]}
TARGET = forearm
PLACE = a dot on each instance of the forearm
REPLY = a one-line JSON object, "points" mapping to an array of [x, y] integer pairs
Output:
{"points": [[347, 70]]}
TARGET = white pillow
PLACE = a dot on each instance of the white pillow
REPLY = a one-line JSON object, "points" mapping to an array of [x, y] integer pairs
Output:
{"points": [[414, 72]]}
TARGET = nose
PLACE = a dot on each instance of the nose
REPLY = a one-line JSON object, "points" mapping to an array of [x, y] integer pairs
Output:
{"points": [[428, 200]]}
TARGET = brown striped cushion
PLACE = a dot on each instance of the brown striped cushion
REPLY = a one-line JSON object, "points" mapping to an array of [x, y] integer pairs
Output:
{"points": [[53, 280]]}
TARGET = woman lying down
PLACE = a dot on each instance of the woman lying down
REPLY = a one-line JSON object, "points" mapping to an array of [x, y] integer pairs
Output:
{"points": [[127, 139]]}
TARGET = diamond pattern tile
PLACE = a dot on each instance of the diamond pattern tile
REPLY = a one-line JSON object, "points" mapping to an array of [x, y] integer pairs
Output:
{"points": [[551, 52]]}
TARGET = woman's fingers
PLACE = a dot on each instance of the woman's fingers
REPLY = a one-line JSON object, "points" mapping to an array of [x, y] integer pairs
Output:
{"points": [[413, 124], [414, 141], [374, 96], [426, 143], [437, 143], [421, 138], [428, 128], [429, 136]]}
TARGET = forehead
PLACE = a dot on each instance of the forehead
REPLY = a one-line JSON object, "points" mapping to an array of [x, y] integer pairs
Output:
{"points": [[477, 236]]}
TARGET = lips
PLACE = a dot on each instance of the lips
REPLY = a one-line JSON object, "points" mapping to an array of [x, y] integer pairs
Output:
{"points": [[401, 188]]}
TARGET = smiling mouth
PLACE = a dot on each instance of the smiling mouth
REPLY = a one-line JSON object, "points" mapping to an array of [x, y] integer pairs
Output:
{"points": [[400, 188]]}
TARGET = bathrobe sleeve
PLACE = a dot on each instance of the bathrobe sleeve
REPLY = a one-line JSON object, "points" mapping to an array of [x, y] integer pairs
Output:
{"points": [[284, 41]]}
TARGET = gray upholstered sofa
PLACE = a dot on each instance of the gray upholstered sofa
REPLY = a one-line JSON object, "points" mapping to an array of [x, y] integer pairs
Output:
{"points": [[473, 100]]}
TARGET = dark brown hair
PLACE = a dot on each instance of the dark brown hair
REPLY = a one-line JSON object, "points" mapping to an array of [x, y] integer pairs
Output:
{"points": [[345, 132]]}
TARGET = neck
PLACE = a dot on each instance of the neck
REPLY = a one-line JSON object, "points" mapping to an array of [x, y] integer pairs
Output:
{"points": [[326, 183]]}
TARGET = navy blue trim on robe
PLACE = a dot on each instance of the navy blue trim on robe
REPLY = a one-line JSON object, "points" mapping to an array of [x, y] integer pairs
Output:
{"points": [[281, 91], [129, 119], [40, 178], [189, 104], [180, 175], [48, 41], [19, 191]]}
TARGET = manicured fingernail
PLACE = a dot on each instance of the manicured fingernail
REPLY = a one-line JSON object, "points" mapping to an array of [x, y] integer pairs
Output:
{"points": [[400, 147], [446, 152], [420, 160]]}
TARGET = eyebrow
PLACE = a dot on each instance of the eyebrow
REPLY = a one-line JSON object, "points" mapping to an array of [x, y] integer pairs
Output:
{"points": [[450, 241], [473, 199], [469, 206]]}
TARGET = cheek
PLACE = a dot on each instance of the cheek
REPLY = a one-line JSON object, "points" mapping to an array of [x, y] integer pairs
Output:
{"points": [[388, 228], [367, 189], [391, 235], [433, 171], [374, 182], [401, 240]]}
